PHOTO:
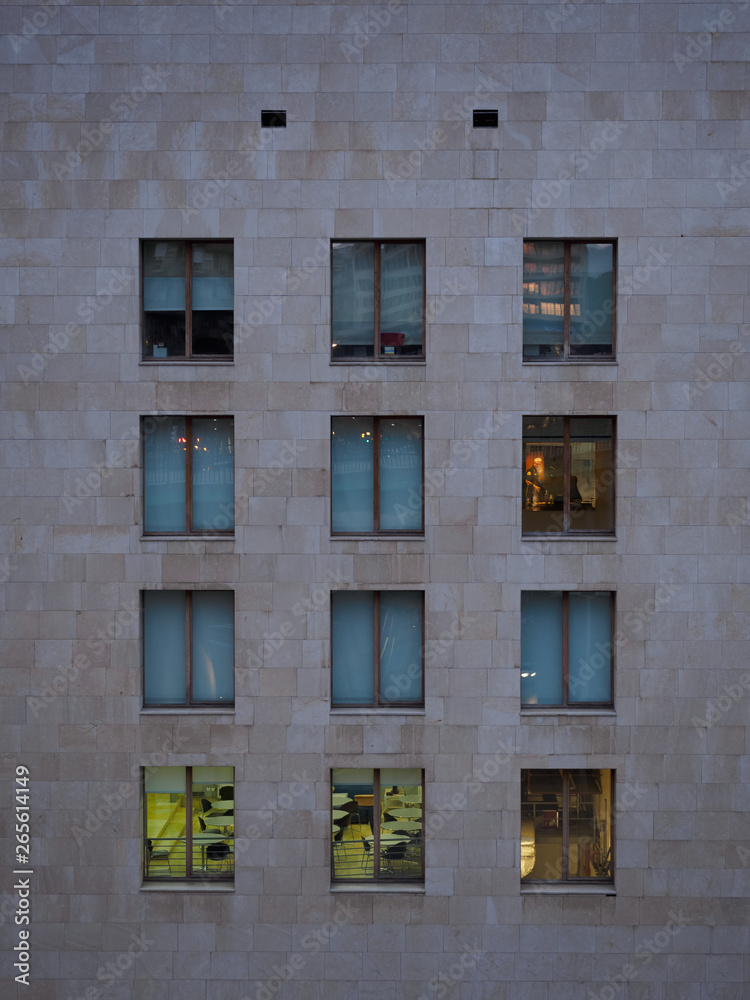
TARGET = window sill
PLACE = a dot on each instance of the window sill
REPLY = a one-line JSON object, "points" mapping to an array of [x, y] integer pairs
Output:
{"points": [[406, 536], [339, 711], [187, 887], [379, 887], [378, 361], [570, 361], [186, 361], [187, 710], [567, 889], [186, 537], [559, 536], [554, 711]]}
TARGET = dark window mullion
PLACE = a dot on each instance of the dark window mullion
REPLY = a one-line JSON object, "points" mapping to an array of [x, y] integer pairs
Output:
{"points": [[188, 474], [376, 474], [188, 300], [566, 826], [566, 300], [566, 475], [376, 824], [565, 646], [376, 300], [377, 700], [188, 822], [189, 646]]}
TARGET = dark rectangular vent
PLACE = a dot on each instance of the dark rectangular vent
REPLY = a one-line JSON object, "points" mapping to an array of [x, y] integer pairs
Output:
{"points": [[485, 119], [274, 119]]}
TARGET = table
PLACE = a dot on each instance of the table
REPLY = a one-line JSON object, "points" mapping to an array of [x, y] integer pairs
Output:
{"points": [[339, 813], [204, 839], [220, 821], [402, 824], [223, 804], [388, 839], [339, 798], [406, 813]]}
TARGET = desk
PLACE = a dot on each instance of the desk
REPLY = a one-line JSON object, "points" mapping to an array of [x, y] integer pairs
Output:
{"points": [[223, 804], [406, 813], [339, 798], [339, 813]]}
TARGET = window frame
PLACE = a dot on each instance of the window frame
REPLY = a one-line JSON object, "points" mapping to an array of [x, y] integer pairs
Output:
{"points": [[566, 530], [189, 529], [379, 701], [566, 705], [567, 357], [191, 876], [188, 357], [377, 356], [378, 879], [188, 703], [377, 532], [566, 879]]}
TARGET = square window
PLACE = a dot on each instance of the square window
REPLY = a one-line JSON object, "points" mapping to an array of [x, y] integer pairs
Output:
{"points": [[188, 475], [377, 300], [188, 300], [188, 824], [568, 300], [377, 824], [376, 648], [568, 483], [566, 826], [566, 648], [377, 471], [188, 647]]}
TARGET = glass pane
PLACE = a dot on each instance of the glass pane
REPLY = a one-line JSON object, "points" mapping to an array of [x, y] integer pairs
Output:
{"points": [[164, 447], [166, 813], [589, 847], [213, 298], [401, 646], [543, 474], [164, 647], [213, 474], [164, 276], [352, 473], [541, 824], [353, 300], [213, 276], [351, 823], [401, 298], [401, 823], [592, 476], [543, 299], [352, 648], [591, 298], [400, 474], [589, 647], [164, 335], [213, 645], [541, 648]]}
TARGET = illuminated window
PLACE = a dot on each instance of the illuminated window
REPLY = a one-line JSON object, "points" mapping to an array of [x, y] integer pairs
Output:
{"points": [[377, 824], [188, 824], [566, 826], [568, 300], [188, 300], [376, 648], [377, 300], [188, 471], [568, 475], [188, 647], [376, 471], [566, 648]]}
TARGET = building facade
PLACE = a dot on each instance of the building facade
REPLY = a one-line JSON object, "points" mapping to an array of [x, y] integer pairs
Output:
{"points": [[375, 415]]}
